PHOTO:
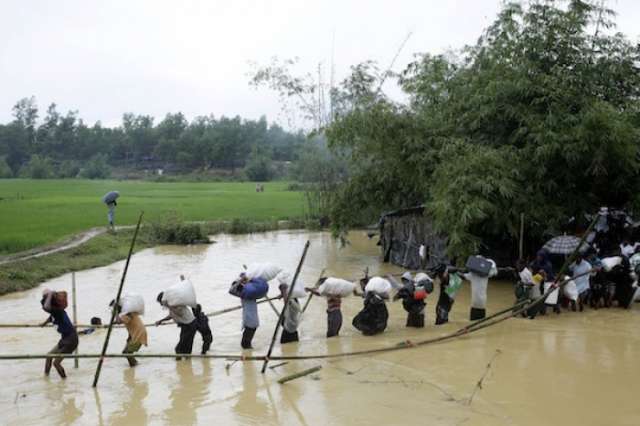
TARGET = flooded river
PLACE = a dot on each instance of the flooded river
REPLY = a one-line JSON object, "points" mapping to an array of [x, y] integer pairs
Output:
{"points": [[571, 369]]}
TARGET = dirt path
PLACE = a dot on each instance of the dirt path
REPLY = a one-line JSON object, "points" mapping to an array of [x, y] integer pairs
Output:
{"points": [[72, 242]]}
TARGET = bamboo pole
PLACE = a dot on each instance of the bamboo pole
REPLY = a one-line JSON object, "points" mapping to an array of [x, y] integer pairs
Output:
{"points": [[521, 242], [211, 314], [273, 308], [311, 294], [302, 373], [117, 301], [286, 302], [75, 312]]}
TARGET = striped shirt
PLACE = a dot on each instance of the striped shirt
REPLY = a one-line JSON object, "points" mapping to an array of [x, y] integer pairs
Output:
{"points": [[333, 303]]}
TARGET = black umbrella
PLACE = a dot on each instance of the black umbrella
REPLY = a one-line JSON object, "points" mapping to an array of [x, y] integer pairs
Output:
{"points": [[564, 244]]}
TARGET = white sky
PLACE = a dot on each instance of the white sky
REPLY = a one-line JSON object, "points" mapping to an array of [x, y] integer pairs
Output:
{"points": [[105, 58]]}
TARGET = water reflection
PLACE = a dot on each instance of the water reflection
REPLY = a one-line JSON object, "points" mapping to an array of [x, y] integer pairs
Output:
{"points": [[133, 410]]}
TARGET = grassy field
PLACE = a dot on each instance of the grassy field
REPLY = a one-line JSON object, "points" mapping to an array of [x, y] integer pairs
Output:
{"points": [[38, 212]]}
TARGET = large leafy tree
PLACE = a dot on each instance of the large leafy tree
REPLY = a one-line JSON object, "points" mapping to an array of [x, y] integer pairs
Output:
{"points": [[540, 116]]}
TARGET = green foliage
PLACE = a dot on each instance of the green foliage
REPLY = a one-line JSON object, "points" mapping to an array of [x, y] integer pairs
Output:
{"points": [[172, 229], [174, 144], [38, 168], [68, 169], [259, 167], [540, 116], [69, 206], [5, 170], [96, 168]]}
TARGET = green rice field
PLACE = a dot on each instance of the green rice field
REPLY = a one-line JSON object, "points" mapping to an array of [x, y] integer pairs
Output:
{"points": [[39, 212]]}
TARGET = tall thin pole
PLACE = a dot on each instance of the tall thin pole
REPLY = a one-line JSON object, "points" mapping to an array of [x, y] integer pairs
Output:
{"points": [[521, 242], [115, 305], [286, 303], [75, 312]]}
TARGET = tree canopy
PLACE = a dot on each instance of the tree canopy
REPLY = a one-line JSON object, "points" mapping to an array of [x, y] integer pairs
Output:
{"points": [[63, 142], [541, 116]]}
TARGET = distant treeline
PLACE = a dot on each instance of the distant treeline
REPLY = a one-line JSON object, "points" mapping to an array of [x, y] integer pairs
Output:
{"points": [[63, 145]]}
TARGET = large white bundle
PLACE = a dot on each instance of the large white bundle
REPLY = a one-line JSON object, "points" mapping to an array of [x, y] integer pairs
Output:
{"points": [[378, 285], [570, 290], [494, 269], [132, 303], [336, 287], [609, 262], [552, 298], [284, 278], [180, 294], [265, 270]]}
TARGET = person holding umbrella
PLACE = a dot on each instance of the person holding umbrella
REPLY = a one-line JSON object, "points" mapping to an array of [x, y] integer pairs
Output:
{"points": [[110, 200]]}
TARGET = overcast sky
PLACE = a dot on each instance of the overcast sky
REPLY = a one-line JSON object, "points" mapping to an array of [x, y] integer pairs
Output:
{"points": [[105, 58]]}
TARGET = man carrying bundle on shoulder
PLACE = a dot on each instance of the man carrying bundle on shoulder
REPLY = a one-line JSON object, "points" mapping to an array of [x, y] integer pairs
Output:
{"points": [[250, 286], [128, 312], [413, 293], [373, 317], [293, 310], [334, 290], [54, 303], [179, 299]]}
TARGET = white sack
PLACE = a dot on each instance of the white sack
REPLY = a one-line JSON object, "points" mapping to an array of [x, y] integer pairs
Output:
{"points": [[378, 285], [267, 271], [284, 278], [552, 298], [609, 262], [336, 287], [132, 303], [180, 294], [570, 290]]}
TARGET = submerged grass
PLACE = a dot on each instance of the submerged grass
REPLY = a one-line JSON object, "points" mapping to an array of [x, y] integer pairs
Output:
{"points": [[99, 251]]}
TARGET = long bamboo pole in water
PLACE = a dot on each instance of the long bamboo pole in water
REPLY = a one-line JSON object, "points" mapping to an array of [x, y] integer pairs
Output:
{"points": [[211, 314], [75, 312], [286, 302], [114, 309], [306, 305]]}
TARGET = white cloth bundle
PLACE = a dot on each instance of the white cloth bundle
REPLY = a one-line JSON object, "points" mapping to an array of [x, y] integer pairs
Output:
{"points": [[284, 278], [180, 294], [609, 262], [552, 298], [494, 269], [336, 287], [570, 289], [132, 303], [267, 271], [379, 286]]}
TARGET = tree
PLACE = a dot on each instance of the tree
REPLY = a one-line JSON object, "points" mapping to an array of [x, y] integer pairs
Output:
{"points": [[38, 168], [96, 168], [546, 92], [259, 168]]}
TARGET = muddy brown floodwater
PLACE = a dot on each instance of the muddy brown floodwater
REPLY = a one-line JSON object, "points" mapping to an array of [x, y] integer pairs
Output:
{"points": [[570, 369]]}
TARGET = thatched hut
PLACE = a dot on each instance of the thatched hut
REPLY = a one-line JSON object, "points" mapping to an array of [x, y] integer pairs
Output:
{"points": [[403, 232]]}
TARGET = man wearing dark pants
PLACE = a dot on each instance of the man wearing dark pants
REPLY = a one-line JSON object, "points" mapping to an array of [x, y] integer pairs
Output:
{"points": [[183, 316], [202, 326]]}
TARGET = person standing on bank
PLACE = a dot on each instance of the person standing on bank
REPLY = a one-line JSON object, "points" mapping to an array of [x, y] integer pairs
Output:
{"points": [[54, 303], [110, 200]]}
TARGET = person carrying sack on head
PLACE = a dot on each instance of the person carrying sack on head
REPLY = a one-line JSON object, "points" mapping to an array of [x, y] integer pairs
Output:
{"points": [[54, 303], [137, 333]]}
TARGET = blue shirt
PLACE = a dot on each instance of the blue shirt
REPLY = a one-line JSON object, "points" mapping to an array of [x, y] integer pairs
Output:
{"points": [[250, 313], [61, 319]]}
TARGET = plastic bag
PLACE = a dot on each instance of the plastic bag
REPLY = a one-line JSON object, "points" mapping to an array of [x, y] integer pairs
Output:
{"points": [[608, 263], [552, 298], [284, 278], [180, 294], [455, 284], [494, 269], [132, 303], [336, 287], [570, 290], [266, 271], [257, 288], [379, 286]]}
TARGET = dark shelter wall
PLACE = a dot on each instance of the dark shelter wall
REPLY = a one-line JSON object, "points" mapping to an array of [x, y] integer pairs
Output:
{"points": [[402, 232]]}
